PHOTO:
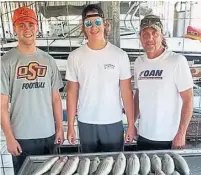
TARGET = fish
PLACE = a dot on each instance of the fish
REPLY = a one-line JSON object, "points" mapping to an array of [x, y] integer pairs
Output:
{"points": [[159, 172], [94, 165], [175, 173], [133, 165], [83, 167], [119, 165], [105, 166], [57, 167], [181, 164], [71, 166], [145, 164], [167, 164], [45, 166], [156, 163]]}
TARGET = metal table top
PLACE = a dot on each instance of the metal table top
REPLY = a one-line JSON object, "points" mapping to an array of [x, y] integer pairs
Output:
{"points": [[192, 156]]}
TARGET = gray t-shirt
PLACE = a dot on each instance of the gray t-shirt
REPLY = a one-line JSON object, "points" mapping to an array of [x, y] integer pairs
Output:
{"points": [[29, 81]]}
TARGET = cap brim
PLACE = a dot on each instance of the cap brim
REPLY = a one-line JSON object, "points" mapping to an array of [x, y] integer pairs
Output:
{"points": [[25, 19], [93, 15]]}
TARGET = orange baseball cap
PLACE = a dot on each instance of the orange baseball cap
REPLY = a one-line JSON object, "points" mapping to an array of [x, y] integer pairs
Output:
{"points": [[23, 14]]}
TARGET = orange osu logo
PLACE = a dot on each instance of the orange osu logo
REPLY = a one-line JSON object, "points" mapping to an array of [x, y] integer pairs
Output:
{"points": [[31, 71], [23, 12]]}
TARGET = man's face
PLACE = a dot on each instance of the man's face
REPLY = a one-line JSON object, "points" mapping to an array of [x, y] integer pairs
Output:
{"points": [[151, 39], [94, 27], [26, 32]]}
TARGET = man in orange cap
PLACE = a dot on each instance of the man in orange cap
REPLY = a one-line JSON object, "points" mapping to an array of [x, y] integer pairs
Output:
{"points": [[30, 81]]}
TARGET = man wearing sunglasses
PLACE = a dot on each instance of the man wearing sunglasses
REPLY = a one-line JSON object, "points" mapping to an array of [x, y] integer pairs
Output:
{"points": [[163, 99], [97, 73]]}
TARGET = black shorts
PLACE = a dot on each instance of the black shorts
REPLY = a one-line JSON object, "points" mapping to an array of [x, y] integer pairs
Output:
{"points": [[146, 144], [101, 138]]}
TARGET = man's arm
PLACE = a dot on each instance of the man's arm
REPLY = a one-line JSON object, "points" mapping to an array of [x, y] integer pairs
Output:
{"points": [[72, 98], [71, 106], [136, 104], [186, 111], [12, 145], [56, 84], [127, 97], [186, 114], [57, 109], [5, 121]]}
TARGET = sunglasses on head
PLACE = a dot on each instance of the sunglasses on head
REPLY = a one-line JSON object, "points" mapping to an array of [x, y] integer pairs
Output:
{"points": [[89, 23], [150, 21]]}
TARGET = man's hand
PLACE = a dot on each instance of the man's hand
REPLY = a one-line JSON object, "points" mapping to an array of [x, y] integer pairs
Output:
{"points": [[13, 147], [59, 138], [71, 136], [179, 141], [130, 134]]}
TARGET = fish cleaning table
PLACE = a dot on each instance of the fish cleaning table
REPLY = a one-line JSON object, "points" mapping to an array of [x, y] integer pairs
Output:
{"points": [[192, 157]]}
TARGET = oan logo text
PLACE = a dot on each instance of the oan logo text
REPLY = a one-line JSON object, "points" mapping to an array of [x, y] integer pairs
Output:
{"points": [[31, 71], [151, 74]]}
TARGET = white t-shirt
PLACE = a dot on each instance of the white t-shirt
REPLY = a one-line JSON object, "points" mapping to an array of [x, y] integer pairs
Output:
{"points": [[159, 82], [98, 73]]}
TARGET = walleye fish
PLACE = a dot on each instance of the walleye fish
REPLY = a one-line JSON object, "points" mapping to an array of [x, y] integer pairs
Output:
{"points": [[71, 166], [119, 165], [156, 163], [175, 173], [181, 164], [83, 167], [45, 166], [94, 165], [133, 165], [105, 166], [145, 164], [57, 167], [167, 164]]}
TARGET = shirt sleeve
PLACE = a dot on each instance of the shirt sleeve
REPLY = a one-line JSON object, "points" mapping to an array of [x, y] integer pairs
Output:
{"points": [[4, 79], [71, 71], [183, 76], [56, 80], [125, 70]]}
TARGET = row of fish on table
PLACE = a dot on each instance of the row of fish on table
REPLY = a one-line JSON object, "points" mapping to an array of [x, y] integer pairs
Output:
{"points": [[166, 164]]}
